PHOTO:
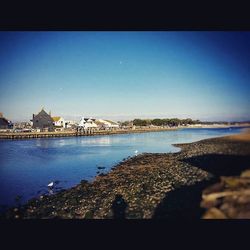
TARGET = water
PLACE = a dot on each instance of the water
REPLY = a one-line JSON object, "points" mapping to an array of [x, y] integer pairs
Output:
{"points": [[27, 166]]}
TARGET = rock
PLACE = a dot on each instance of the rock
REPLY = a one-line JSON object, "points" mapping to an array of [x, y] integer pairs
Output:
{"points": [[214, 188], [245, 174], [84, 182], [214, 213], [101, 167], [102, 174], [89, 215], [231, 197]]}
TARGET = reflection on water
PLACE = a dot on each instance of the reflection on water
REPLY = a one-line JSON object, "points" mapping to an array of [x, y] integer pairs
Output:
{"points": [[27, 166], [96, 141]]}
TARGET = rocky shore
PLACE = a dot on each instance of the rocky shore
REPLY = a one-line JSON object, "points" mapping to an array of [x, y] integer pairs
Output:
{"points": [[229, 198], [147, 186]]}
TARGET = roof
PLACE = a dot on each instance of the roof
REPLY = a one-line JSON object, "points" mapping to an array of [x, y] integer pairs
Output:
{"points": [[56, 118], [3, 121], [99, 122], [42, 115], [113, 123]]}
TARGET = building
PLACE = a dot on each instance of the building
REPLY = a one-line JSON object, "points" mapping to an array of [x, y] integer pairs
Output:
{"points": [[43, 121], [58, 121], [70, 124], [112, 124], [106, 124], [87, 123], [4, 123]]}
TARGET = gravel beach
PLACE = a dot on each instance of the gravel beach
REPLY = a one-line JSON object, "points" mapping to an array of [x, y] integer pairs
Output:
{"points": [[158, 186]]}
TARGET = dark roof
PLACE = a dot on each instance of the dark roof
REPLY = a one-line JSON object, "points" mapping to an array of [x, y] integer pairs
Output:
{"points": [[44, 115], [42, 112], [3, 121], [89, 118]]}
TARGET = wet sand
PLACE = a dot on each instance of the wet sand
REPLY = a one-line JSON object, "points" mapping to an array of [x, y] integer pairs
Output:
{"points": [[244, 136], [158, 186]]}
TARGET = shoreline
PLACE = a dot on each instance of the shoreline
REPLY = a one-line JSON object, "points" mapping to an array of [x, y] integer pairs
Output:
{"points": [[161, 185], [35, 135]]}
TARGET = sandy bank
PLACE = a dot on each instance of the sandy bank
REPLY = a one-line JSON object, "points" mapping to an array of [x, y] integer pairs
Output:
{"points": [[245, 136]]}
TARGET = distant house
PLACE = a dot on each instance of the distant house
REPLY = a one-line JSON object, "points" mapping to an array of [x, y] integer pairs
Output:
{"points": [[70, 124], [112, 124], [58, 121], [87, 123], [106, 124], [4, 123], [43, 121]]}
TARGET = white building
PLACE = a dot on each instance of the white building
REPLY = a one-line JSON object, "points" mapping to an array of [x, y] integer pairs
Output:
{"points": [[70, 124], [58, 121], [106, 124], [87, 123]]}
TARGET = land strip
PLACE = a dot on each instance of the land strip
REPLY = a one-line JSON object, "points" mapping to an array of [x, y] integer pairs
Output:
{"points": [[31, 135], [27, 135]]}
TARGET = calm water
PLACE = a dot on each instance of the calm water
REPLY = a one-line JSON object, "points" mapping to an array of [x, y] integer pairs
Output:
{"points": [[27, 166]]}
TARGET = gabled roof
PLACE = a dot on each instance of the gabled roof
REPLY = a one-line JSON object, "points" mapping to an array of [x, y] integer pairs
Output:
{"points": [[42, 115], [43, 112]]}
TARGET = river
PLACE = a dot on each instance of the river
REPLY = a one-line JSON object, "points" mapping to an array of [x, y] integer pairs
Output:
{"points": [[27, 166]]}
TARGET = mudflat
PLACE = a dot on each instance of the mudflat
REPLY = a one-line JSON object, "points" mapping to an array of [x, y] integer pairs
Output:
{"points": [[158, 186]]}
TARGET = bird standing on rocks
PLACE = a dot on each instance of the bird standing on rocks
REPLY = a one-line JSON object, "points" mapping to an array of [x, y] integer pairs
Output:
{"points": [[51, 184]]}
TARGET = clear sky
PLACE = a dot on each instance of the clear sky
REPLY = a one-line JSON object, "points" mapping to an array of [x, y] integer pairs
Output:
{"points": [[119, 75]]}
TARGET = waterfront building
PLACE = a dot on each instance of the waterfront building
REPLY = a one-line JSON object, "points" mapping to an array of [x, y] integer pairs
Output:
{"points": [[58, 121], [106, 124], [70, 124], [43, 121], [87, 123], [112, 124], [4, 123]]}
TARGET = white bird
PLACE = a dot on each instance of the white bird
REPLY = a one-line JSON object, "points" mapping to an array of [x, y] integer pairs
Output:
{"points": [[51, 184], [136, 152]]}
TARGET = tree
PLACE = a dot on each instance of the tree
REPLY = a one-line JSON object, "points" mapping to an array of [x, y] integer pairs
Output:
{"points": [[125, 123], [139, 122]]}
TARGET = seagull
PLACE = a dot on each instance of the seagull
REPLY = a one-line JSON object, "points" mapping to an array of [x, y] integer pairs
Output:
{"points": [[50, 185], [136, 152]]}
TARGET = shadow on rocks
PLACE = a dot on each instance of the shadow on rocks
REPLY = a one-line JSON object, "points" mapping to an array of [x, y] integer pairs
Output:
{"points": [[184, 202], [118, 207], [219, 164]]}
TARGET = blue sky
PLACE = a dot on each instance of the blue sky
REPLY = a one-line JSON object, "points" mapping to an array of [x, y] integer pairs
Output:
{"points": [[123, 75]]}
